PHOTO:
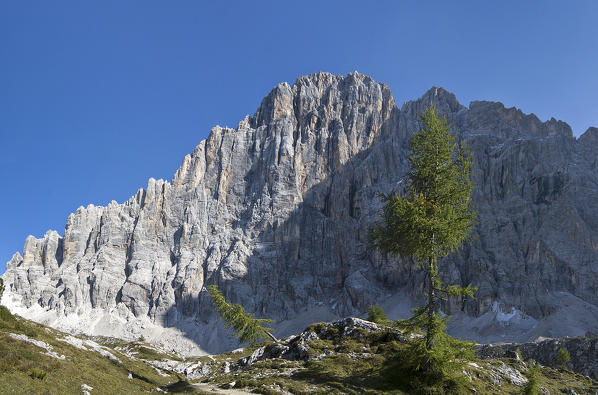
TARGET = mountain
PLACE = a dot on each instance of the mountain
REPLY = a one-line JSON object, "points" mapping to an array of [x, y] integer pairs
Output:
{"points": [[277, 211]]}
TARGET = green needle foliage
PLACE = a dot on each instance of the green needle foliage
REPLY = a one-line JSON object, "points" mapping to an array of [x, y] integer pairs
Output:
{"points": [[431, 220], [377, 315], [436, 215], [563, 357], [532, 385], [443, 362], [248, 329]]}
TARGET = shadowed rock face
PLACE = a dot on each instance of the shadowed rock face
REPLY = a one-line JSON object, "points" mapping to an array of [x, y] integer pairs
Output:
{"points": [[545, 351], [276, 212]]}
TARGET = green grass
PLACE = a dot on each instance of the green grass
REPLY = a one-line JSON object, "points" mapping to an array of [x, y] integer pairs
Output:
{"points": [[373, 364], [369, 363], [150, 354], [25, 369]]}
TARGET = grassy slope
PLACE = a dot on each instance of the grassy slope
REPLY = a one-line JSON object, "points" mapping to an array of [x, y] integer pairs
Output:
{"points": [[373, 365], [21, 362], [356, 366]]}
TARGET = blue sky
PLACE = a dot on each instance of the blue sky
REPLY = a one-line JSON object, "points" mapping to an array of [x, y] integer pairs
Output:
{"points": [[96, 97]]}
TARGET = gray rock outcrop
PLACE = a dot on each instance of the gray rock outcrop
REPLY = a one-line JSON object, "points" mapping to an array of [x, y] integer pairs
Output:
{"points": [[583, 352], [277, 211]]}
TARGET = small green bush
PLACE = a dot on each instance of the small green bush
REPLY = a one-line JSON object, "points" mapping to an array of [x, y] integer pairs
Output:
{"points": [[37, 374], [531, 388], [377, 315], [563, 357]]}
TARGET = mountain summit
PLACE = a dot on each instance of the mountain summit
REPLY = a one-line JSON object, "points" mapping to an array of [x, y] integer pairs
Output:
{"points": [[277, 211]]}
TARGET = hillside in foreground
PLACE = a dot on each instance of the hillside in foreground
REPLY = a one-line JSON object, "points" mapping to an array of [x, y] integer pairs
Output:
{"points": [[37, 359], [347, 356]]}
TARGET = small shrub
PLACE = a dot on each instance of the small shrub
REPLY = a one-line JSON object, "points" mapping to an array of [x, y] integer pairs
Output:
{"points": [[318, 327], [563, 357], [518, 353], [377, 315], [531, 388], [37, 374]]}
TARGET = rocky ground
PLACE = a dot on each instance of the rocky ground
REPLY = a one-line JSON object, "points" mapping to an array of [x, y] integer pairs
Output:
{"points": [[357, 356], [583, 352], [351, 356]]}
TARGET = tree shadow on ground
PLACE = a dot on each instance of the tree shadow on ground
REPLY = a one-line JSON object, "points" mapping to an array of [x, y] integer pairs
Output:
{"points": [[181, 386]]}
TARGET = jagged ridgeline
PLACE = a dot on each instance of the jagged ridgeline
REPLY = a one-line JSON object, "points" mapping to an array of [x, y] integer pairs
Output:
{"points": [[276, 213]]}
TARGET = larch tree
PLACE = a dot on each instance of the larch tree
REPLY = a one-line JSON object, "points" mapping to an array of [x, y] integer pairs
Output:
{"points": [[247, 328], [430, 220]]}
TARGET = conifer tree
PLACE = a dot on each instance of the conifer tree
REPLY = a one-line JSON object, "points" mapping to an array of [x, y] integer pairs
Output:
{"points": [[247, 328], [533, 371], [377, 315], [563, 357], [431, 219]]}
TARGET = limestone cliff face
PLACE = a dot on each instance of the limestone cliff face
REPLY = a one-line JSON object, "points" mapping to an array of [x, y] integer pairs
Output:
{"points": [[276, 212]]}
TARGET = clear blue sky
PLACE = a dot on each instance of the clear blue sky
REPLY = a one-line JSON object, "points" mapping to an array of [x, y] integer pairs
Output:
{"points": [[96, 97]]}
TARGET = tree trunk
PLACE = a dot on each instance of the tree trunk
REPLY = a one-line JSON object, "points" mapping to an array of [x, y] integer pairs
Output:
{"points": [[431, 299], [272, 336]]}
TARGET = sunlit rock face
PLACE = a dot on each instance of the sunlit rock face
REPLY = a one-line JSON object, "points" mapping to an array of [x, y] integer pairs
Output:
{"points": [[277, 211]]}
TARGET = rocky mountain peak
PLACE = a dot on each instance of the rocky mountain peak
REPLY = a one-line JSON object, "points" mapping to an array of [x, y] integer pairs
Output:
{"points": [[445, 101], [276, 212], [590, 136], [322, 96], [276, 105], [514, 122]]}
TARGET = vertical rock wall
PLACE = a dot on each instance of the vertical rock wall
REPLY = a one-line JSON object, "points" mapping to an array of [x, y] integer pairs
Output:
{"points": [[276, 212]]}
